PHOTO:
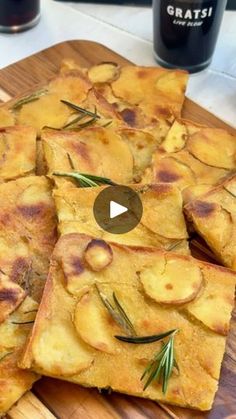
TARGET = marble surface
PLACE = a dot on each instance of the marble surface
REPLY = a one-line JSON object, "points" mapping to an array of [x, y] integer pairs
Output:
{"points": [[128, 31]]}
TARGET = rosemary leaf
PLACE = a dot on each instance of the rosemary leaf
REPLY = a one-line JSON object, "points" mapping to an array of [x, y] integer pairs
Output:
{"points": [[79, 109], [107, 124], [70, 161], [28, 99], [29, 322], [85, 180], [5, 355], [123, 314], [144, 339], [31, 311], [118, 315], [86, 124], [99, 179], [74, 121], [174, 245]]}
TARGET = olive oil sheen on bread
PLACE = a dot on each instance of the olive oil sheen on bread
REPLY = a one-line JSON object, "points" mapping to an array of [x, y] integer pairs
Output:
{"points": [[186, 31]]}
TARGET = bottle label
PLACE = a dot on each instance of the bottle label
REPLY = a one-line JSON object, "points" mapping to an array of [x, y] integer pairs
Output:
{"points": [[188, 14]]}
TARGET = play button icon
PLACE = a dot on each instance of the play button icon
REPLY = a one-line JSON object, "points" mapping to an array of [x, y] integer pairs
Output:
{"points": [[118, 209]]}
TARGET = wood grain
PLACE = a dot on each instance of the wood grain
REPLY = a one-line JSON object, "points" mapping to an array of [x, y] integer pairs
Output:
{"points": [[29, 407], [53, 398]]}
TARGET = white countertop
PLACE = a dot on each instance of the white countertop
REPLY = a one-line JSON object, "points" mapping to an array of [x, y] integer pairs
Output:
{"points": [[128, 31]]}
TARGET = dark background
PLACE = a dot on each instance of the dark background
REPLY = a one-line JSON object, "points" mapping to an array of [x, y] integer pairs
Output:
{"points": [[231, 5]]}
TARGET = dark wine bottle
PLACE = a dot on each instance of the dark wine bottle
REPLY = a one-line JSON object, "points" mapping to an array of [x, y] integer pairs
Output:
{"points": [[186, 31], [18, 15]]}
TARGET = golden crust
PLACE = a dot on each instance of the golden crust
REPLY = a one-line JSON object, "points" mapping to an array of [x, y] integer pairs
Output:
{"points": [[27, 231], [147, 98], [6, 117], [14, 328], [192, 155], [162, 224], [101, 360], [48, 110], [120, 154], [214, 218], [17, 152]]}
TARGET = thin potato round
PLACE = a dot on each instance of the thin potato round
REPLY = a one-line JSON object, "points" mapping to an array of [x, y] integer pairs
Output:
{"points": [[161, 285], [93, 323]]}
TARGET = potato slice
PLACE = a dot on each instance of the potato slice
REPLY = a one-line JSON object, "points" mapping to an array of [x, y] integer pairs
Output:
{"points": [[214, 222], [94, 150], [213, 147], [214, 306], [11, 295], [172, 170], [94, 324], [155, 203], [98, 255], [103, 73], [77, 278], [194, 192], [142, 145], [67, 355], [160, 283], [176, 138]]}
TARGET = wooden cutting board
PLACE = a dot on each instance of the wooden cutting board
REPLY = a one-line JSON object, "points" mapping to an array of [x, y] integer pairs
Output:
{"points": [[51, 398]]}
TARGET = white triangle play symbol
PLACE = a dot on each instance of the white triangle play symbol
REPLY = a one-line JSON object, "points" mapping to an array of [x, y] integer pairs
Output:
{"points": [[116, 209]]}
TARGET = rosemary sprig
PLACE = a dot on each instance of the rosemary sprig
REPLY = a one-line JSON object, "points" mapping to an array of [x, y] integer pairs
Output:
{"points": [[161, 367], [81, 110], [79, 118], [86, 180], [27, 99], [117, 313]]}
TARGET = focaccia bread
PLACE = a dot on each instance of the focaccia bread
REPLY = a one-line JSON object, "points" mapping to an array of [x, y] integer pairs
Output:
{"points": [[17, 314], [44, 107], [27, 231], [193, 155], [214, 217], [162, 224], [148, 98], [121, 155], [6, 117], [74, 335], [17, 152]]}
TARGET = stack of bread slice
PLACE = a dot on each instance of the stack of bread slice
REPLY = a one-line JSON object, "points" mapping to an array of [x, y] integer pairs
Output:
{"points": [[104, 310]]}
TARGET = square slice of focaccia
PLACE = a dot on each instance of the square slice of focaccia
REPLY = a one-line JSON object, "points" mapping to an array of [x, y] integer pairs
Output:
{"points": [[214, 217], [74, 335], [17, 152], [44, 107], [27, 231], [17, 314], [121, 155], [193, 157], [162, 224], [147, 98]]}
